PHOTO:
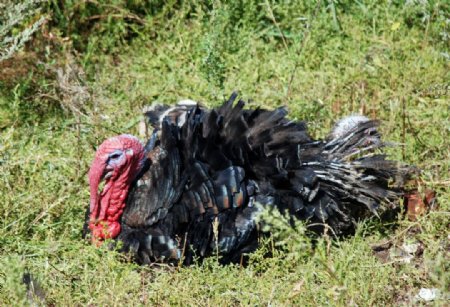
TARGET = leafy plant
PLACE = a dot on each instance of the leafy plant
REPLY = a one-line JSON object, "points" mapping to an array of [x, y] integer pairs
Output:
{"points": [[18, 22]]}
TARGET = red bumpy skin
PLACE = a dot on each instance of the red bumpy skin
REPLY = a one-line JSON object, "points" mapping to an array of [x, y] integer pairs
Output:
{"points": [[117, 160]]}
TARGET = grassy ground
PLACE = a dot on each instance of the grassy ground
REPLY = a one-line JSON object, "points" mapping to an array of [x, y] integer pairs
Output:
{"points": [[389, 61]]}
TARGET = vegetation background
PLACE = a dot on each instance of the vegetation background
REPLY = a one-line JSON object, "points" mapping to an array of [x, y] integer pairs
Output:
{"points": [[75, 72]]}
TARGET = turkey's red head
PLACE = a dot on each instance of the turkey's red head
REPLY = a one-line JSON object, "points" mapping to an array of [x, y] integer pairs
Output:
{"points": [[117, 162]]}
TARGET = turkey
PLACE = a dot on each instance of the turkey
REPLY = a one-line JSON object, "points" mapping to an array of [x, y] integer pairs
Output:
{"points": [[199, 183]]}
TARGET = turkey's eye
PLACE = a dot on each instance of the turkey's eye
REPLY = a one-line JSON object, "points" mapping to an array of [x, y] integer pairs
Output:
{"points": [[115, 155]]}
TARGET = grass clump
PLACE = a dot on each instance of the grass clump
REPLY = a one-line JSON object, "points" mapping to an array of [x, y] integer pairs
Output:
{"points": [[321, 59]]}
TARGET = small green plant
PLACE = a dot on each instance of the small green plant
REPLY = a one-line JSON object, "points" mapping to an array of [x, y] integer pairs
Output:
{"points": [[18, 23], [214, 45]]}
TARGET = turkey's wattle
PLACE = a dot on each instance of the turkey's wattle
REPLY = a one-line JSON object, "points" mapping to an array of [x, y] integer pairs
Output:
{"points": [[202, 179]]}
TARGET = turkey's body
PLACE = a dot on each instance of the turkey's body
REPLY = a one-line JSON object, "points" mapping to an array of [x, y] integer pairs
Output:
{"points": [[208, 173]]}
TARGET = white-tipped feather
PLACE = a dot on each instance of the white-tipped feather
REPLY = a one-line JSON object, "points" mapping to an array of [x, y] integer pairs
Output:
{"points": [[343, 126]]}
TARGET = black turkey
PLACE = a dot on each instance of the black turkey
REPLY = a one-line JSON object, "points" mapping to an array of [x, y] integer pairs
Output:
{"points": [[201, 180]]}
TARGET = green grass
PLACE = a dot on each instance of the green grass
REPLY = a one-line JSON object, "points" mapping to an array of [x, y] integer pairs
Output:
{"points": [[385, 62]]}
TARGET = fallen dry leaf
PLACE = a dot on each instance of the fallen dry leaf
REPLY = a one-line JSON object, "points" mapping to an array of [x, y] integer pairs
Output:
{"points": [[418, 203]]}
